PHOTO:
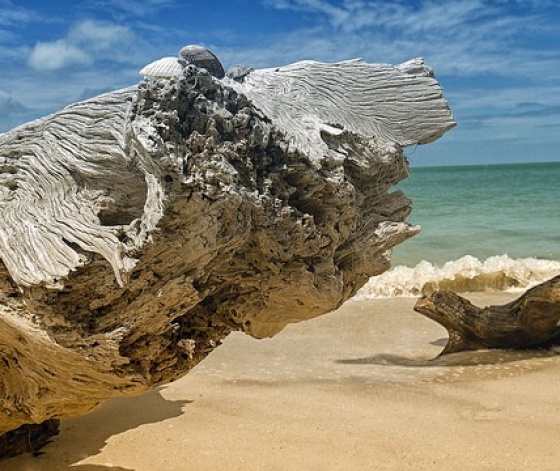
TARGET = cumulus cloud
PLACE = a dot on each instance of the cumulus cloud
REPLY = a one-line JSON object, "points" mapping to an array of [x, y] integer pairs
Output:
{"points": [[86, 42], [57, 55], [99, 37]]}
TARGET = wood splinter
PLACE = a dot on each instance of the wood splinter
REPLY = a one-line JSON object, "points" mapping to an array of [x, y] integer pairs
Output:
{"points": [[531, 321]]}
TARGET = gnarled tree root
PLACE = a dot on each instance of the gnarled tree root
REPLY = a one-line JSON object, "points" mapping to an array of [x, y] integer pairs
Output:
{"points": [[28, 438], [531, 321]]}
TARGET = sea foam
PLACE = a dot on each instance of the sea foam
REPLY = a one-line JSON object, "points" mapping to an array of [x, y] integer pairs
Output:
{"points": [[467, 274]]}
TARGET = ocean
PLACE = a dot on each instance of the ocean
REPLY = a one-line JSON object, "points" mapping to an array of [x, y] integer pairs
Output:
{"points": [[484, 228]]}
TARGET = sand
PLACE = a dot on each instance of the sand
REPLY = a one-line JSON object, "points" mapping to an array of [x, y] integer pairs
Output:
{"points": [[352, 390]]}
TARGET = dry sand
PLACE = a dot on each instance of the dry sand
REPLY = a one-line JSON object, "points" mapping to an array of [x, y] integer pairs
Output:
{"points": [[352, 390]]}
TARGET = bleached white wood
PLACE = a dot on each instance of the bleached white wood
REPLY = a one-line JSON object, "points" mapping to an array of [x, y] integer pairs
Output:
{"points": [[140, 227], [398, 105]]}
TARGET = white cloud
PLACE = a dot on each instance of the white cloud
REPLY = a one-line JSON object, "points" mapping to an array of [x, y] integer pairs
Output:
{"points": [[472, 99], [99, 37], [134, 8], [10, 13], [85, 43], [464, 37], [12, 19], [57, 55]]}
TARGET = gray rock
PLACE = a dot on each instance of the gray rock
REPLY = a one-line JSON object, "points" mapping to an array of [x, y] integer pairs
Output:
{"points": [[203, 58], [238, 72]]}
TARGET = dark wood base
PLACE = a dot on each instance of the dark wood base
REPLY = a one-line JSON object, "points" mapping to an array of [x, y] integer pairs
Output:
{"points": [[28, 438], [531, 321]]}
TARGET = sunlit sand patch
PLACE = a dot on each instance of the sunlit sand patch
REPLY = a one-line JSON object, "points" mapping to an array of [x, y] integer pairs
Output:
{"points": [[367, 342]]}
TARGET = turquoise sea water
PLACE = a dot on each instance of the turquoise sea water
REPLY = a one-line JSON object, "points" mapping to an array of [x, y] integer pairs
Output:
{"points": [[483, 228], [483, 211]]}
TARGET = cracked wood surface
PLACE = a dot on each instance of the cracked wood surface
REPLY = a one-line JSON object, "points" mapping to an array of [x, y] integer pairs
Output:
{"points": [[142, 226], [531, 321]]}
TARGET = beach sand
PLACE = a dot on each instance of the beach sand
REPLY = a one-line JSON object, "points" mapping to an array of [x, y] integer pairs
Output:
{"points": [[351, 390]]}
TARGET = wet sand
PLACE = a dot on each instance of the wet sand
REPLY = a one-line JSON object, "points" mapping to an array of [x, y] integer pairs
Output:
{"points": [[353, 390]]}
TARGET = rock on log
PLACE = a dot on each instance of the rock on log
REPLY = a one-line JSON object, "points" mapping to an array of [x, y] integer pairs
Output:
{"points": [[531, 321], [142, 226]]}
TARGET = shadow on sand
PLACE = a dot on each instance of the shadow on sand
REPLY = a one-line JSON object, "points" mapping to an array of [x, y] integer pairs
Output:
{"points": [[85, 437], [474, 358]]}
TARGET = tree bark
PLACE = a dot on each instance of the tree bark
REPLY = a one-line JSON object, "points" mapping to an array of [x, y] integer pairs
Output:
{"points": [[140, 227], [531, 321]]}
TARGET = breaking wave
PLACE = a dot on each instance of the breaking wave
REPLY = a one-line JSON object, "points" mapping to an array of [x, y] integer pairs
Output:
{"points": [[467, 274]]}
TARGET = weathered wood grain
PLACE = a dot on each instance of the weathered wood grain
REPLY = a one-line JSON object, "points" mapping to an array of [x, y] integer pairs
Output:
{"points": [[531, 321], [140, 227]]}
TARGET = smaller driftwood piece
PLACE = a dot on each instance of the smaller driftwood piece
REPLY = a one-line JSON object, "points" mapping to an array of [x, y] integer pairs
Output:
{"points": [[531, 321]]}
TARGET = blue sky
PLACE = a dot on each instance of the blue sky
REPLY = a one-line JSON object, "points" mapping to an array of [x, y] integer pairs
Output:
{"points": [[498, 60]]}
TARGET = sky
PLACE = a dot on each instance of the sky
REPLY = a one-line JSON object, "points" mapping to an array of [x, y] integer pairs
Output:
{"points": [[498, 61]]}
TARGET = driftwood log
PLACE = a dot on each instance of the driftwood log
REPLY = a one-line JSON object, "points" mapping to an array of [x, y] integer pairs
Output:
{"points": [[141, 227], [531, 321]]}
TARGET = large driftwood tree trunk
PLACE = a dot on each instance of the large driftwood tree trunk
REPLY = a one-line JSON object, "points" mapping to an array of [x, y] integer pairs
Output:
{"points": [[142, 226], [531, 321]]}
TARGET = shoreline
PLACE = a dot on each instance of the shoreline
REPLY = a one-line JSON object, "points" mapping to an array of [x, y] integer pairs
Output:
{"points": [[354, 389], [468, 274]]}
